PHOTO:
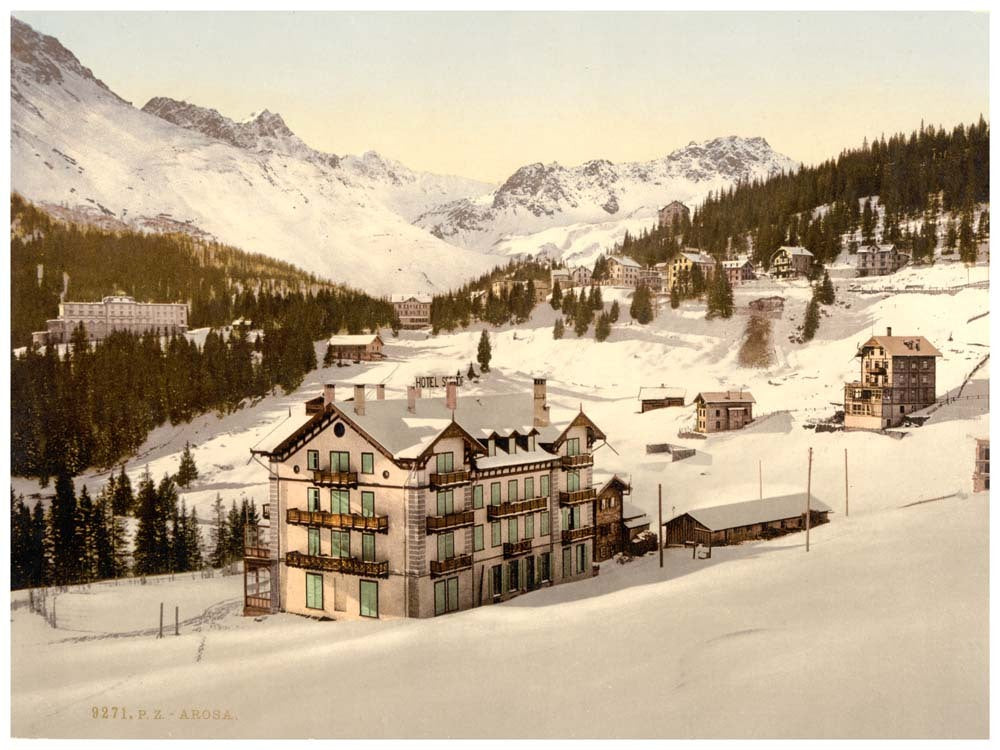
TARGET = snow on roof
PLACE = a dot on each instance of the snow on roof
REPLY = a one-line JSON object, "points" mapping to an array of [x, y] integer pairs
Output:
{"points": [[632, 513], [876, 249], [661, 392], [796, 250], [719, 517], [905, 346], [502, 458], [358, 339], [718, 397], [624, 260], [737, 263], [416, 297], [698, 257]]}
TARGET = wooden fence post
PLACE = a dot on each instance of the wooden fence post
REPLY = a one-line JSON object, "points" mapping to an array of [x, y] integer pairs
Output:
{"points": [[161, 621], [177, 621]]}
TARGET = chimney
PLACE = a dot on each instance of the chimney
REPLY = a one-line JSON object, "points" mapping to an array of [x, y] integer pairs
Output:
{"points": [[451, 396], [411, 399], [888, 331], [359, 400], [540, 414], [328, 392], [380, 392]]}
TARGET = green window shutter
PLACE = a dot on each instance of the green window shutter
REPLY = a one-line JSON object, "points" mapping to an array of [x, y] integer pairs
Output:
{"points": [[313, 494], [367, 463], [314, 591], [478, 538], [573, 481], [313, 541], [511, 490], [495, 530], [312, 458], [445, 462], [545, 485], [576, 518], [543, 522], [368, 547], [369, 598], [340, 501], [440, 598], [368, 504], [567, 562], [477, 496], [452, 594]]}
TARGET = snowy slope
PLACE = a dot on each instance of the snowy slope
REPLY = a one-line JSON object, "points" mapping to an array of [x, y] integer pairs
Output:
{"points": [[75, 143], [538, 197]]}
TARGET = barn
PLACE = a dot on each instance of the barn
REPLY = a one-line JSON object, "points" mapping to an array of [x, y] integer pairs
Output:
{"points": [[740, 522], [660, 397]]}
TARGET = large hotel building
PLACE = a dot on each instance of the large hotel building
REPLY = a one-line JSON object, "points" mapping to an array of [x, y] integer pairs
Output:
{"points": [[117, 313], [418, 507]]}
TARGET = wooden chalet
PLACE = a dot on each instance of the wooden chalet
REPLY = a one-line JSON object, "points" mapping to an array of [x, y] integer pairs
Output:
{"points": [[720, 525]]}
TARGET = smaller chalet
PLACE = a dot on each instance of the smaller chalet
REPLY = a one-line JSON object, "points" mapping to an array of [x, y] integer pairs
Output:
{"points": [[660, 397], [608, 515], [725, 410], [789, 262], [357, 347], [740, 522]]}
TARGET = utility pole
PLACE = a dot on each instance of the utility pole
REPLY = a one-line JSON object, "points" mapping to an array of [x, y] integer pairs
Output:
{"points": [[847, 495], [809, 497], [659, 529], [161, 621], [760, 478]]}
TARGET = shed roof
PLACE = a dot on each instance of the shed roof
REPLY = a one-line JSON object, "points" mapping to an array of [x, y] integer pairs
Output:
{"points": [[357, 339], [794, 250], [726, 397], [747, 513], [416, 297], [661, 392], [624, 260], [697, 256]]}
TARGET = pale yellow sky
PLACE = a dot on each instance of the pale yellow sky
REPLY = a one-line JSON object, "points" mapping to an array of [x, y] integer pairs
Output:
{"points": [[480, 94]]}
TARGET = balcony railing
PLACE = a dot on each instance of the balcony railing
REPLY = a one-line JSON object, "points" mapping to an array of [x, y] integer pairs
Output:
{"points": [[450, 521], [578, 461], [511, 549], [338, 520], [451, 565], [256, 553], [516, 507], [449, 479], [349, 565], [258, 602], [336, 478], [572, 535], [577, 496]]}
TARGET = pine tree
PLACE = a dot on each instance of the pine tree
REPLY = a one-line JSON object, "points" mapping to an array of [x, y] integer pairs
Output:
{"points": [[581, 321], [63, 540], [123, 501], [103, 535], [868, 223], [147, 542], [596, 301], [697, 281], [811, 323], [826, 294], [40, 571], [471, 372], [615, 312], [220, 534], [675, 297], [642, 305], [20, 543], [725, 304], [87, 535], [966, 239], [187, 472], [559, 329], [330, 357], [484, 352], [603, 328], [195, 559], [569, 303], [557, 296]]}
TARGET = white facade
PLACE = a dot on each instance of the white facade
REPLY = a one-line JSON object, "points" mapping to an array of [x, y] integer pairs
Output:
{"points": [[116, 313]]}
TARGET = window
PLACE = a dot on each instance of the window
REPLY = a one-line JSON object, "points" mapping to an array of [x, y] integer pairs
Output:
{"points": [[529, 526], [340, 461], [718, 425], [573, 481], [477, 496], [478, 542], [567, 562], [368, 547], [313, 495], [529, 488], [573, 447], [495, 531], [367, 463], [512, 576], [369, 598], [717, 412], [314, 590], [313, 541], [340, 501], [340, 543], [581, 557], [544, 567], [446, 546], [368, 504], [495, 493], [545, 486], [497, 575], [511, 490], [445, 462], [543, 522], [512, 530], [446, 502], [445, 596], [312, 460]]}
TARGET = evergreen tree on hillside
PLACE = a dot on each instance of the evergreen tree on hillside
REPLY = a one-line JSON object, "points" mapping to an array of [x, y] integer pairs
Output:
{"points": [[641, 309], [581, 321], [603, 327], [601, 269], [330, 357], [615, 312], [559, 329], [596, 301], [675, 297], [698, 282], [811, 323], [484, 352], [122, 500], [826, 292], [219, 556], [966, 240], [149, 540], [20, 543], [41, 574], [556, 300], [187, 472], [63, 542], [471, 373]]}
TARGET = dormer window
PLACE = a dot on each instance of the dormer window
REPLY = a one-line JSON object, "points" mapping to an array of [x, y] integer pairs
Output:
{"points": [[491, 446]]}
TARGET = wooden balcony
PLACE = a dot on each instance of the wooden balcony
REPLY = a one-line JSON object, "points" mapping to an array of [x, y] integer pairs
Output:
{"points": [[450, 521], [449, 479], [573, 535], [577, 496], [578, 461], [512, 549], [256, 553], [349, 565], [336, 478], [257, 605], [516, 508], [351, 521], [451, 565]]}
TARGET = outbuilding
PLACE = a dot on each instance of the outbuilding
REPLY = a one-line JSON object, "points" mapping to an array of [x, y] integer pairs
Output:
{"points": [[660, 397], [720, 525]]}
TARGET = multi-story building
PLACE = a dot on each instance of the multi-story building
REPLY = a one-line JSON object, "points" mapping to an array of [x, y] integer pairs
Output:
{"points": [[357, 347], [879, 260], [898, 375], [790, 262], [116, 313], [581, 276], [560, 276], [413, 310], [671, 211], [981, 477], [623, 271], [417, 507], [651, 278], [683, 264], [725, 410], [739, 271], [608, 514], [505, 286]]}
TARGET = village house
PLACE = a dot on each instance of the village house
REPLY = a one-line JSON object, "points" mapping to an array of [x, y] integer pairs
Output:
{"points": [[651, 278], [506, 286], [560, 276], [879, 260], [791, 262], [981, 476], [637, 538], [581, 276], [720, 525], [898, 376], [660, 397], [739, 271], [361, 347], [623, 271], [675, 210], [723, 410], [418, 507], [413, 310], [683, 264], [608, 514], [114, 313]]}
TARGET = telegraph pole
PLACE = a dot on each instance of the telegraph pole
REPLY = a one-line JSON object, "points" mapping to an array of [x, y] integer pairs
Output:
{"points": [[760, 479], [847, 495], [809, 497], [659, 529]]}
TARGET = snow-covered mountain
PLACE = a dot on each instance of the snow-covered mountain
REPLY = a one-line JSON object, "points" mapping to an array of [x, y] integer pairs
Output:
{"points": [[253, 184], [542, 200]]}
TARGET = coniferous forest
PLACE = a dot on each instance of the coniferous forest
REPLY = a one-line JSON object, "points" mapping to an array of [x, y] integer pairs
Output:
{"points": [[916, 177]]}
